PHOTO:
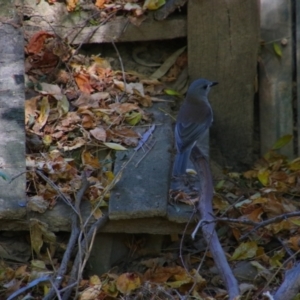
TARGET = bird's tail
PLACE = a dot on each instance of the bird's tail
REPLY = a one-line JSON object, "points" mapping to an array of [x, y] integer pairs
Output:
{"points": [[180, 163]]}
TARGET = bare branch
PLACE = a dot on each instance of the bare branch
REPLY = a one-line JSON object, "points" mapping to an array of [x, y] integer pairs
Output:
{"points": [[205, 185]]}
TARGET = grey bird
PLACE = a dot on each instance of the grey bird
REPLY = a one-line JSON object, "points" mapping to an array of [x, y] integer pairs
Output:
{"points": [[194, 118]]}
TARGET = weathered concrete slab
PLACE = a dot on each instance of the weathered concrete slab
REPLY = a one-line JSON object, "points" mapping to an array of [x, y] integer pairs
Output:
{"points": [[77, 28], [59, 219], [275, 74], [12, 134], [223, 43], [142, 191], [180, 213]]}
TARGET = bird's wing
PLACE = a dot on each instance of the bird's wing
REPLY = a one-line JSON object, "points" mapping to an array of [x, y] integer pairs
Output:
{"points": [[186, 134]]}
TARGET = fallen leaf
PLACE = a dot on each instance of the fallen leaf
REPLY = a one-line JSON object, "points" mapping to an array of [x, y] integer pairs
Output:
{"points": [[263, 176], [38, 264], [99, 133], [128, 282], [131, 6], [43, 116], [172, 92], [36, 42], [294, 242], [83, 82], [123, 108], [100, 3], [169, 62], [133, 118], [63, 105], [275, 260], [89, 160], [281, 142], [47, 140], [4, 176], [49, 89], [71, 4], [277, 49], [75, 144], [91, 293], [37, 203], [31, 108], [244, 251], [130, 87], [115, 146], [153, 4]]}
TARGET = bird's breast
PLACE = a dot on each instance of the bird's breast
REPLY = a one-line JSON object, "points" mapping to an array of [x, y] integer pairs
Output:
{"points": [[195, 113]]}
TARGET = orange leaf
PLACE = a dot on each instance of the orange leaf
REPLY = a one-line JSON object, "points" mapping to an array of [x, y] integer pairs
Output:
{"points": [[294, 242], [123, 108], [30, 108], [71, 5], [128, 282], [36, 43], [100, 3], [255, 215], [88, 159], [83, 82], [44, 114], [88, 121]]}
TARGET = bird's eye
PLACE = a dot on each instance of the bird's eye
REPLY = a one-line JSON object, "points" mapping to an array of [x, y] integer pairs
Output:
{"points": [[205, 86]]}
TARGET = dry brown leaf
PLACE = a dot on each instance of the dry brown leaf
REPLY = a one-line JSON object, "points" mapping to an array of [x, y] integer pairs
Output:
{"points": [[100, 3], [99, 133], [89, 160], [83, 82], [36, 42], [123, 108], [43, 114], [128, 282], [31, 108], [71, 4]]}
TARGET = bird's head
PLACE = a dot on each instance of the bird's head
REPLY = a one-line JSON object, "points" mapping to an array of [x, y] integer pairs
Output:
{"points": [[200, 88]]}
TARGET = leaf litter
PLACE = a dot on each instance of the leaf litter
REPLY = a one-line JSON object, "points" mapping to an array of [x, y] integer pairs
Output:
{"points": [[69, 122]]}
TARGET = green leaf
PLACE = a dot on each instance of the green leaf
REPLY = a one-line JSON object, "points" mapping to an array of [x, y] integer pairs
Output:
{"points": [[295, 164], [276, 260], [295, 221], [281, 142], [133, 118], [244, 251], [4, 176], [115, 146], [172, 92], [39, 264], [277, 49], [263, 176], [153, 4]]}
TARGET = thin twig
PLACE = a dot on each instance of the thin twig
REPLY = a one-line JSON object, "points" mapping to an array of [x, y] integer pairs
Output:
{"points": [[167, 113], [270, 221], [91, 33], [182, 238], [73, 276], [56, 188], [146, 153], [72, 241], [122, 66], [56, 290], [16, 176]]}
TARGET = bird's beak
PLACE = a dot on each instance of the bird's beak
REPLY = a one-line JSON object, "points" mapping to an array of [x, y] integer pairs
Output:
{"points": [[214, 83]]}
